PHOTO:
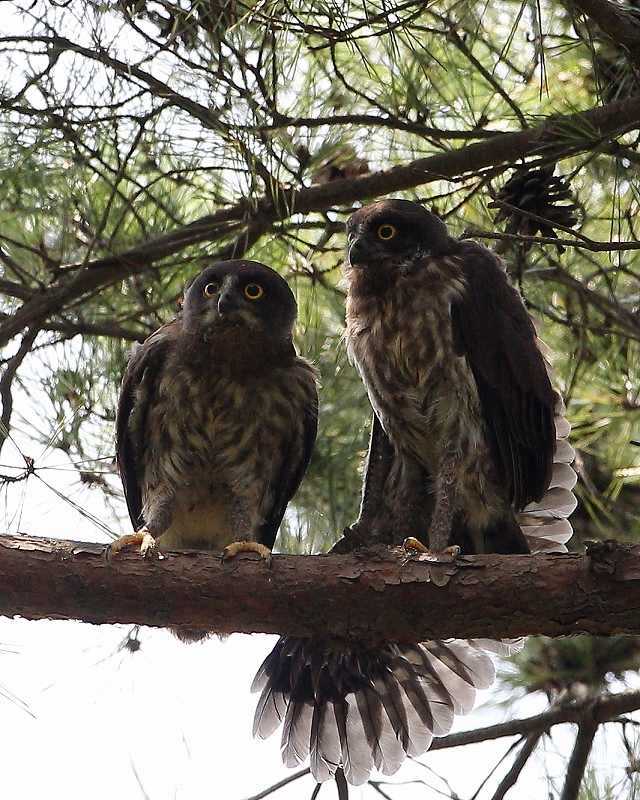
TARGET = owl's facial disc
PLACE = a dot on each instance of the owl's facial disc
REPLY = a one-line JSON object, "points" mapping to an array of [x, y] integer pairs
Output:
{"points": [[390, 233], [232, 294], [239, 298], [234, 301]]}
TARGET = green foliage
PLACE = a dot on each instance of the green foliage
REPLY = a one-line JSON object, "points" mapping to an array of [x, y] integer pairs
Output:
{"points": [[573, 664], [596, 786]]}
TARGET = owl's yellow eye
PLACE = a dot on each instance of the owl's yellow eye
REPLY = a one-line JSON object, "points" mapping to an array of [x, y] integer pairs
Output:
{"points": [[210, 289], [253, 291], [387, 232]]}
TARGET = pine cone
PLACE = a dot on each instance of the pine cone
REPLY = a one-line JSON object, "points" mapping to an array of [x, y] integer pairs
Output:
{"points": [[536, 191]]}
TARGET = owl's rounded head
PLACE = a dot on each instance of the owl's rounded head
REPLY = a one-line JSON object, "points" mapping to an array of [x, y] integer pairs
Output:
{"points": [[240, 292], [395, 231]]}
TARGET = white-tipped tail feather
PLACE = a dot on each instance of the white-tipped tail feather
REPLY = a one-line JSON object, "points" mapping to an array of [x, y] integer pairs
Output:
{"points": [[359, 709], [546, 524]]}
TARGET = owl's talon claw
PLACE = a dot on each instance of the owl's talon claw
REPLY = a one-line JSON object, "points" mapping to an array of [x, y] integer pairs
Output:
{"points": [[147, 545], [247, 547], [412, 544], [141, 539]]}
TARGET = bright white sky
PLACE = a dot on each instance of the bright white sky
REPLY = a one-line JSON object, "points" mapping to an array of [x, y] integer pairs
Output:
{"points": [[177, 715]]}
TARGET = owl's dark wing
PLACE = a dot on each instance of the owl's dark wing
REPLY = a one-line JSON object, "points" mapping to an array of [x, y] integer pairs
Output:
{"points": [[295, 451], [493, 329], [137, 393]]}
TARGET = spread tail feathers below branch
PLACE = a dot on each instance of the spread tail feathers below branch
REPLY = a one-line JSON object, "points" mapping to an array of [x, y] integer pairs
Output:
{"points": [[359, 709]]}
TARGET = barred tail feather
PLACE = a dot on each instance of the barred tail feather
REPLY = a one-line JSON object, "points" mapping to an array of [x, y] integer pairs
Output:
{"points": [[467, 668], [546, 524], [501, 647], [424, 695], [361, 709], [359, 745], [397, 713], [324, 743], [272, 706]]}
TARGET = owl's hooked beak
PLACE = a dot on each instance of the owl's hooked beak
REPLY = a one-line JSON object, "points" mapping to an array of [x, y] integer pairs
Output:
{"points": [[357, 251], [227, 301]]}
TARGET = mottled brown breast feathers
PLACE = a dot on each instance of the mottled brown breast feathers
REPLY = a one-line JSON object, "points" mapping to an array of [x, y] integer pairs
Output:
{"points": [[217, 415]]}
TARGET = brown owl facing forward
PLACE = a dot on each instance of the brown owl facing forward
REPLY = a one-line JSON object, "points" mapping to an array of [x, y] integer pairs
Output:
{"points": [[217, 416]]}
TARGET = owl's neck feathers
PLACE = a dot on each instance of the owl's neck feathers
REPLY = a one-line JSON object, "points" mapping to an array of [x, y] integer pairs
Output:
{"points": [[247, 348], [378, 278]]}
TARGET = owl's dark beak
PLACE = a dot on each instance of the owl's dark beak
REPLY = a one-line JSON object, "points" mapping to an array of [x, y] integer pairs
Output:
{"points": [[227, 301], [357, 252]]}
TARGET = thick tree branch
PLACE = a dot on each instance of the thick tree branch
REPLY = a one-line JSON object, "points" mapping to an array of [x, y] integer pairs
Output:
{"points": [[371, 595], [560, 134], [618, 23]]}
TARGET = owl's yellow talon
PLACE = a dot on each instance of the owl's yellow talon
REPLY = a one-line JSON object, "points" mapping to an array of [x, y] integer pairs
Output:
{"points": [[246, 547], [141, 538], [147, 545], [411, 543]]}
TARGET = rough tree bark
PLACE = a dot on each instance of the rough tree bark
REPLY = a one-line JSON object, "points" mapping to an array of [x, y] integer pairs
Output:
{"points": [[373, 595]]}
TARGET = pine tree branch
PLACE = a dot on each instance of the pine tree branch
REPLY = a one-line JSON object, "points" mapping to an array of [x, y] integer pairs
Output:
{"points": [[579, 758], [589, 713], [511, 778], [558, 135], [370, 595], [621, 25], [605, 708], [280, 784], [6, 381]]}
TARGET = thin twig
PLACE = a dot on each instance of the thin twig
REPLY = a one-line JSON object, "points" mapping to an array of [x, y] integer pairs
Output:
{"points": [[584, 243], [6, 395], [606, 707], [284, 782], [518, 765], [579, 757]]}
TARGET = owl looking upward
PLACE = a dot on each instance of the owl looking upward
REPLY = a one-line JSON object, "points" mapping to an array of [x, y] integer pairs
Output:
{"points": [[217, 416]]}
